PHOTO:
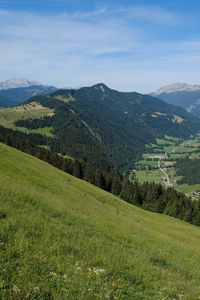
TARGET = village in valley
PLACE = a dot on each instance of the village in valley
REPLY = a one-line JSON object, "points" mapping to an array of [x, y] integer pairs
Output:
{"points": [[159, 162]]}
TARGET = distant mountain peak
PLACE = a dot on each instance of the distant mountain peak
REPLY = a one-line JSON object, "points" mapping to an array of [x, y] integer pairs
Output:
{"points": [[101, 85], [15, 82], [181, 94], [177, 87]]}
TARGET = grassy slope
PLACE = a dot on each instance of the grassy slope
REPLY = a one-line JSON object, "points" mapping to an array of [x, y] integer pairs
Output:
{"points": [[33, 110], [62, 238]]}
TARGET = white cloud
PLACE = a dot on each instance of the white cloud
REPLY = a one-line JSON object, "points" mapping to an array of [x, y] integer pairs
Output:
{"points": [[147, 13]]}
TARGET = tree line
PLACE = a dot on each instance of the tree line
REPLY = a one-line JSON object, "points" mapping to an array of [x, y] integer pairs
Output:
{"points": [[149, 196]]}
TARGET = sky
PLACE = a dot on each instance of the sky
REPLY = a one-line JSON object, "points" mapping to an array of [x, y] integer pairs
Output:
{"points": [[128, 45]]}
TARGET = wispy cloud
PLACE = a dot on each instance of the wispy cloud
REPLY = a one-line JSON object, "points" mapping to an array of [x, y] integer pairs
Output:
{"points": [[149, 13], [77, 48], [27, 39], [153, 14]]}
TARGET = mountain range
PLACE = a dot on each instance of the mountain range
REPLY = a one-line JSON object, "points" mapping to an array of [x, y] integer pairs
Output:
{"points": [[184, 95], [106, 127], [17, 90], [100, 125]]}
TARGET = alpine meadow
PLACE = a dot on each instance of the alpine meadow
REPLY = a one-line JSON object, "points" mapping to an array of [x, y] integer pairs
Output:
{"points": [[99, 150]]}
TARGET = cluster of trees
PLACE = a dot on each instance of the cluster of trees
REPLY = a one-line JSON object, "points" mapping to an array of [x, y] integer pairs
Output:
{"points": [[156, 198], [150, 196], [146, 167], [34, 123], [19, 139], [189, 169]]}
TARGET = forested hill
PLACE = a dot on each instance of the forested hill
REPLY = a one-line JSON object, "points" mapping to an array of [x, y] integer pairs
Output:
{"points": [[109, 128], [5, 101]]}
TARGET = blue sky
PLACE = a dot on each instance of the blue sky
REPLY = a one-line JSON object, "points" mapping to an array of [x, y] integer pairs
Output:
{"points": [[129, 45]]}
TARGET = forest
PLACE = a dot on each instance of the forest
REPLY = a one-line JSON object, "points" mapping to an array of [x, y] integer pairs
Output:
{"points": [[189, 169]]}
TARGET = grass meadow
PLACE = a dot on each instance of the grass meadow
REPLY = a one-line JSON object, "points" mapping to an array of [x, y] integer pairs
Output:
{"points": [[62, 238], [31, 110]]}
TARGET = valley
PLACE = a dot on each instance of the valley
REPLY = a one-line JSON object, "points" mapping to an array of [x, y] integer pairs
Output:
{"points": [[102, 127], [159, 162]]}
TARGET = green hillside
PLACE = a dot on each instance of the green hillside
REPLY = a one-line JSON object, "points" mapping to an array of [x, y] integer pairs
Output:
{"points": [[62, 238], [8, 117]]}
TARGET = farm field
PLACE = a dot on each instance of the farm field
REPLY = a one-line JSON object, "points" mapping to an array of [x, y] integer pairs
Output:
{"points": [[32, 110], [167, 152], [63, 238], [186, 188], [148, 175]]}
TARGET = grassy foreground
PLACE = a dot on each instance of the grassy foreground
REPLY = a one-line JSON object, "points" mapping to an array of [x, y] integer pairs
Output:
{"points": [[62, 238]]}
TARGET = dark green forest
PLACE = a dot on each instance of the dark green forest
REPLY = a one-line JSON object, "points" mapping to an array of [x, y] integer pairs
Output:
{"points": [[189, 169]]}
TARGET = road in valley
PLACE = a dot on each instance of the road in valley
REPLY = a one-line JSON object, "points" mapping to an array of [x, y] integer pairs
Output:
{"points": [[166, 180]]}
